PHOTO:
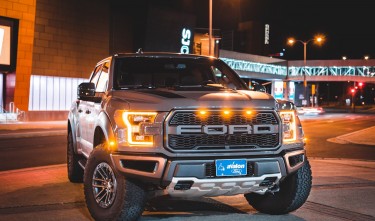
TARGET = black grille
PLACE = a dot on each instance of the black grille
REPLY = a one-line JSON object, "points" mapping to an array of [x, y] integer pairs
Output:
{"points": [[294, 160], [205, 141], [190, 118], [211, 170], [234, 141]]}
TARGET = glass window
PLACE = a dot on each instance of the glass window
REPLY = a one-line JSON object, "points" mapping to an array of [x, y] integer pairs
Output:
{"points": [[102, 84], [174, 73], [96, 74]]}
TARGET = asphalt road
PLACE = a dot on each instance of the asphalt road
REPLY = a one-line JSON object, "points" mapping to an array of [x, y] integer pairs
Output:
{"points": [[16, 153], [342, 190], [322, 127]]}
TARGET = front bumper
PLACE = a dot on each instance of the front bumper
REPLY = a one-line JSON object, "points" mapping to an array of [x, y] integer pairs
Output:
{"points": [[190, 178]]}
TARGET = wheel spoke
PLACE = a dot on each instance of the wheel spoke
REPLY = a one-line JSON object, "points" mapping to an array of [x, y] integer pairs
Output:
{"points": [[101, 198], [97, 195], [107, 198], [103, 176], [99, 186], [99, 180]]}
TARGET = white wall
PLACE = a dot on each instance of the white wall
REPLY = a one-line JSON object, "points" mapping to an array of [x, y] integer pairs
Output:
{"points": [[52, 93]]}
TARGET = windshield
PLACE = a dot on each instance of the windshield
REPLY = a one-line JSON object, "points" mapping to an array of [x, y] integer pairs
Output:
{"points": [[175, 74]]}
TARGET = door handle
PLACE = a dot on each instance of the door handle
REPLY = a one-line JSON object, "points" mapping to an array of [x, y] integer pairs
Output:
{"points": [[88, 111]]}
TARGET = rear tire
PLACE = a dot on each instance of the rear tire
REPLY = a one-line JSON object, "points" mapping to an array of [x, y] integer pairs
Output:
{"points": [[109, 195], [293, 193], [75, 171]]}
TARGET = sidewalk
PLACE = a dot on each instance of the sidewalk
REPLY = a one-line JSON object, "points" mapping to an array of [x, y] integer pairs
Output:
{"points": [[365, 137], [342, 190]]}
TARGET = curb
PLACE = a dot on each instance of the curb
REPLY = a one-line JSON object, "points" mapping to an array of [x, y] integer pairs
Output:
{"points": [[346, 138]]}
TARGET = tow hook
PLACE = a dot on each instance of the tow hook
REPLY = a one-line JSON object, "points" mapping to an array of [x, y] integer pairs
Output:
{"points": [[273, 189]]}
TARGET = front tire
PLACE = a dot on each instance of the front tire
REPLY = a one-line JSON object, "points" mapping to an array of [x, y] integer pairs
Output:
{"points": [[108, 194], [293, 193], [75, 171]]}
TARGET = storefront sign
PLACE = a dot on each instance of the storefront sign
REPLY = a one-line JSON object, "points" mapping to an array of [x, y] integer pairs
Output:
{"points": [[267, 34], [8, 43], [185, 41]]}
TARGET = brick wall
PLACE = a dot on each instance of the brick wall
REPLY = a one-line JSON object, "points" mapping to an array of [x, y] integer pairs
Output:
{"points": [[24, 11], [70, 37], [57, 38]]}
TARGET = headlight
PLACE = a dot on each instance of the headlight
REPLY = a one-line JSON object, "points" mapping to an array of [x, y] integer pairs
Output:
{"points": [[288, 119], [139, 127]]}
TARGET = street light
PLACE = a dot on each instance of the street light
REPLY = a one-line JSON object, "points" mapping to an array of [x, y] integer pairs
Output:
{"points": [[210, 29], [318, 39]]}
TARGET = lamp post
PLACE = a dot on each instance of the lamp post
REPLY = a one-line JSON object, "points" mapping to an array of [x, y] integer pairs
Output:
{"points": [[210, 29], [318, 39], [353, 97]]}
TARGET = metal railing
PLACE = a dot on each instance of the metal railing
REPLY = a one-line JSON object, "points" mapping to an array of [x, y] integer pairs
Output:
{"points": [[241, 65], [12, 115]]}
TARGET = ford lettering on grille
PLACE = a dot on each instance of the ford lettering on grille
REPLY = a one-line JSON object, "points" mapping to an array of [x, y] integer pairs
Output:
{"points": [[226, 129]]}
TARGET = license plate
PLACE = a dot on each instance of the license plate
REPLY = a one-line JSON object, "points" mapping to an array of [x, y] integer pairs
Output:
{"points": [[237, 167]]}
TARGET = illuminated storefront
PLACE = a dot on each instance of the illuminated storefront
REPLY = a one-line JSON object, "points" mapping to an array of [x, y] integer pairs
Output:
{"points": [[8, 55]]}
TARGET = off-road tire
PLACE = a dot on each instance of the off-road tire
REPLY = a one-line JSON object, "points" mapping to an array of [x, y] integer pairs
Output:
{"points": [[293, 193], [75, 171], [129, 197]]}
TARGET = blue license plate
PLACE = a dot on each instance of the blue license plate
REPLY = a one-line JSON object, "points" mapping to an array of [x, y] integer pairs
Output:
{"points": [[237, 167]]}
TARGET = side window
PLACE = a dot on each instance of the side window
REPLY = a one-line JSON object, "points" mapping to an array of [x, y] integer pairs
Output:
{"points": [[102, 84], [222, 78], [96, 74]]}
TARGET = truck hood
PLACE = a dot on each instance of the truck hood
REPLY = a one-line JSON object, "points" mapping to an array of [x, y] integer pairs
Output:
{"points": [[166, 100]]}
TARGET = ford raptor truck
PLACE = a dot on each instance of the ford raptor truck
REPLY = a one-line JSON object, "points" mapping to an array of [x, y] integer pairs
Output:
{"points": [[153, 124]]}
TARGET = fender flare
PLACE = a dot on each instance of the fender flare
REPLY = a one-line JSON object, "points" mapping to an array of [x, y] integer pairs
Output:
{"points": [[104, 123], [71, 124]]}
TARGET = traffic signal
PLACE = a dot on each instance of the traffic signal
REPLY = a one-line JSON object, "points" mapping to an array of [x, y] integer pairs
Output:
{"points": [[352, 90], [360, 84]]}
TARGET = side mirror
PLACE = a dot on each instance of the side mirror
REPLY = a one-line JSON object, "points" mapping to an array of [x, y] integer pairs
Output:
{"points": [[260, 88], [85, 90]]}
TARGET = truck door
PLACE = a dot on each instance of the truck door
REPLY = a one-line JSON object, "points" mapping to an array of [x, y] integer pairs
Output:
{"points": [[84, 111], [95, 108]]}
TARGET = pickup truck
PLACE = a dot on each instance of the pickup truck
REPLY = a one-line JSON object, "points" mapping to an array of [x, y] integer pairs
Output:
{"points": [[154, 124]]}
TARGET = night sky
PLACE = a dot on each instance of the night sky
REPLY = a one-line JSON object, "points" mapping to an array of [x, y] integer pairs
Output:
{"points": [[347, 25]]}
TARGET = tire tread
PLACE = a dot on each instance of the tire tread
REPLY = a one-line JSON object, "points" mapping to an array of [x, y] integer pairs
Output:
{"points": [[294, 191]]}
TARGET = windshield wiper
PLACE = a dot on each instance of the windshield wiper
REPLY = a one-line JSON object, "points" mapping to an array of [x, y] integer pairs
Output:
{"points": [[137, 86]]}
